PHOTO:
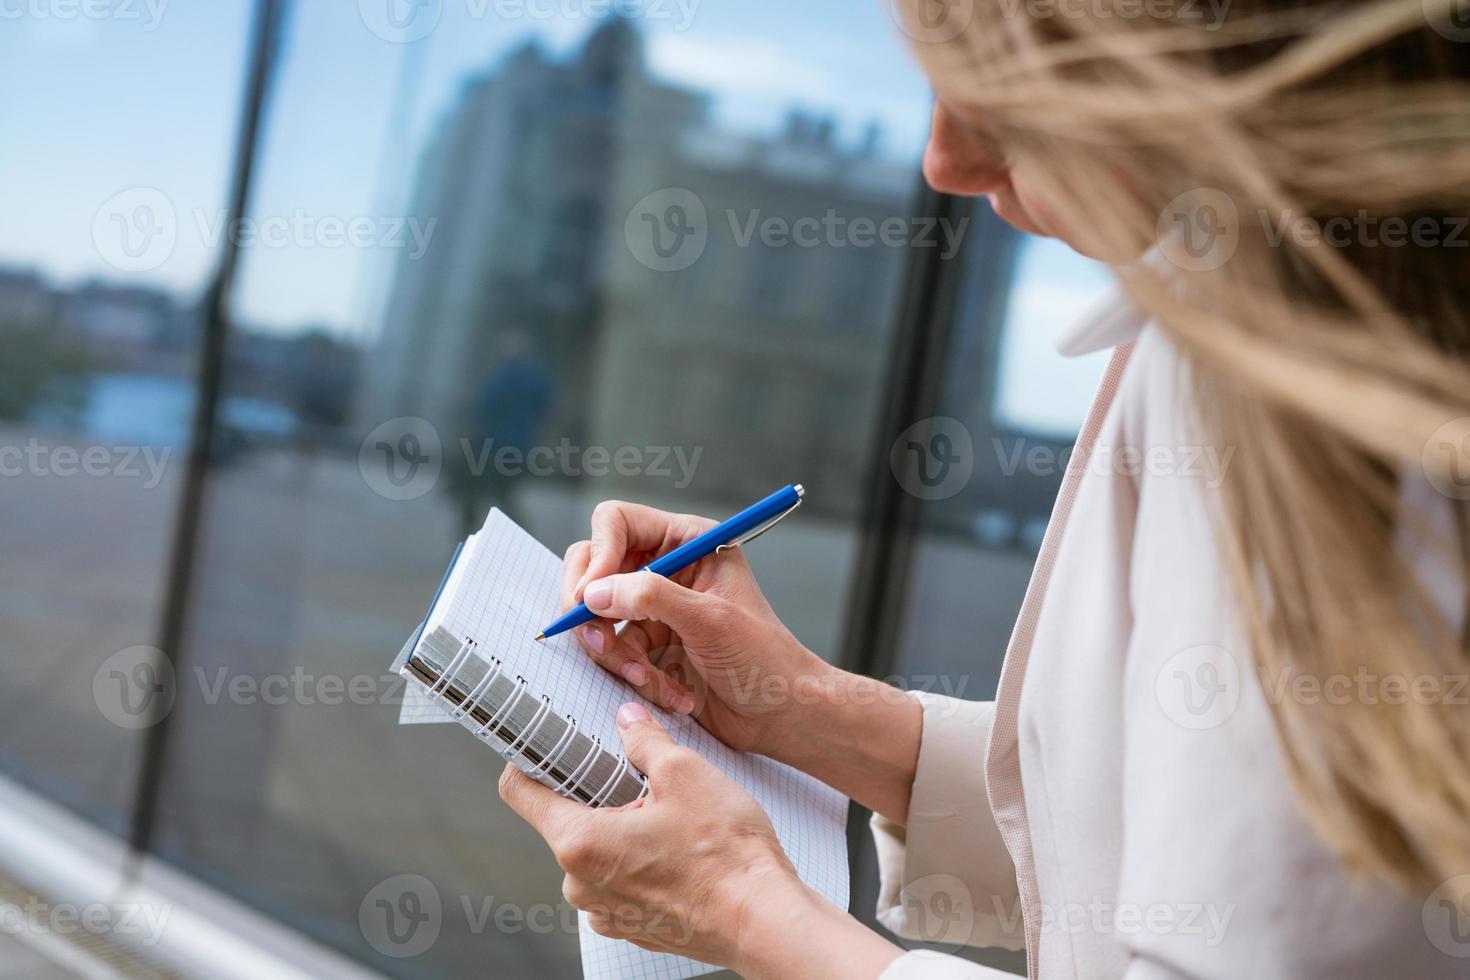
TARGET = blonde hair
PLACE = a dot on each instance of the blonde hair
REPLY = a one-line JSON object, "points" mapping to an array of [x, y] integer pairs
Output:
{"points": [[1335, 369]]}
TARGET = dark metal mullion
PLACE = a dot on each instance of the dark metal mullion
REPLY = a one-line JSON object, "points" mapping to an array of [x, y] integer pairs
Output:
{"points": [[911, 392], [215, 310]]}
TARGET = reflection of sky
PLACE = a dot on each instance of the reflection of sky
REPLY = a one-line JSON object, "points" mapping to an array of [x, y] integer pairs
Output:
{"points": [[1041, 391], [96, 106]]}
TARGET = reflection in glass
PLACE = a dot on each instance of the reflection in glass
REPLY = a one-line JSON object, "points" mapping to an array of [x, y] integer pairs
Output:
{"points": [[602, 287]]}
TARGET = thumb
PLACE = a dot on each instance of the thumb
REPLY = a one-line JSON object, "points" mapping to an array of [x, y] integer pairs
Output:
{"points": [[703, 620], [644, 740]]}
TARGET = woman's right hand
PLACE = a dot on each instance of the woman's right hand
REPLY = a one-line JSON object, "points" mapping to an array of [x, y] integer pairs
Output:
{"points": [[705, 642]]}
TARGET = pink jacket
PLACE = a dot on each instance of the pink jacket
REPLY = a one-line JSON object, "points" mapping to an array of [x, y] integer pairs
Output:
{"points": [[1122, 808]]}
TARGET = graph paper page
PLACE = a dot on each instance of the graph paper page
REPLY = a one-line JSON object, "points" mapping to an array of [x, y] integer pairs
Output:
{"points": [[502, 592]]}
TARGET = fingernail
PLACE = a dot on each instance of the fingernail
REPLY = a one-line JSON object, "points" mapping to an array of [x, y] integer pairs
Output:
{"points": [[594, 638], [598, 595], [684, 704], [634, 673], [632, 714]]}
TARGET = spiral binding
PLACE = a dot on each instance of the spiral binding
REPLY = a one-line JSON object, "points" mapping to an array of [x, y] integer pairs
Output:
{"points": [[524, 738], [612, 781], [583, 767], [486, 731]]}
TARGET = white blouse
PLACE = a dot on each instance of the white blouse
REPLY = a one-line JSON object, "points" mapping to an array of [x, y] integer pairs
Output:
{"points": [[1122, 808]]}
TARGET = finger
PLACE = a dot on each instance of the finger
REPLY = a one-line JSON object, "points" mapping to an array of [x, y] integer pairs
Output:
{"points": [[573, 566], [632, 655], [644, 740], [620, 528], [701, 619], [653, 681], [552, 816]]}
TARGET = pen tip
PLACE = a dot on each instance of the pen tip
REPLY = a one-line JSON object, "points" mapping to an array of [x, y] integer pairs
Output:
{"points": [[540, 636]]}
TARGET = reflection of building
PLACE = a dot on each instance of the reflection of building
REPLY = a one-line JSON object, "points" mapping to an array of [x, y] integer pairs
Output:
{"points": [[517, 176], [765, 352], [125, 325], [765, 358], [25, 300]]}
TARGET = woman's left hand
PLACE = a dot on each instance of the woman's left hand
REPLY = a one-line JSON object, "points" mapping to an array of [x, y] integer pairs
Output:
{"points": [[688, 869]]}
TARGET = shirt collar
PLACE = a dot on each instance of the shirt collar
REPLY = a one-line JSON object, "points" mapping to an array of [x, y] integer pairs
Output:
{"points": [[1111, 321]]}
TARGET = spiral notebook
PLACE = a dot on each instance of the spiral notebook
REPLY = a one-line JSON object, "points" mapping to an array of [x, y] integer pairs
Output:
{"points": [[549, 709]]}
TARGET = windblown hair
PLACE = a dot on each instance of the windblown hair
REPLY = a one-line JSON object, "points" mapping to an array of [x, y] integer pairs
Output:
{"points": [[1337, 368]]}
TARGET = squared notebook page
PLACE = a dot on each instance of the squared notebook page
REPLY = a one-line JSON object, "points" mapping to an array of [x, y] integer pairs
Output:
{"points": [[502, 592]]}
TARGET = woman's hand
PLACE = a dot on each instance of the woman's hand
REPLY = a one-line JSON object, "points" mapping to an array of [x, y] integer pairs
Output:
{"points": [[694, 868], [705, 642]]}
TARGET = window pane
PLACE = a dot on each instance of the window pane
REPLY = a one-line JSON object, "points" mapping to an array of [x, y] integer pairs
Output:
{"points": [[100, 279], [620, 258], [1011, 406]]}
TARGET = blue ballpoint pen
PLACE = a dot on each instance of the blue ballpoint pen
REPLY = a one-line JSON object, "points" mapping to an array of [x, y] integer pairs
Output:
{"points": [[745, 526]]}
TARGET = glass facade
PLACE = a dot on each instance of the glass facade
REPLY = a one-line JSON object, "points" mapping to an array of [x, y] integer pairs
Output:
{"points": [[532, 262]]}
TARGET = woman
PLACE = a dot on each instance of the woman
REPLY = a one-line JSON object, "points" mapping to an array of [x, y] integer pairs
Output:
{"points": [[1230, 738]]}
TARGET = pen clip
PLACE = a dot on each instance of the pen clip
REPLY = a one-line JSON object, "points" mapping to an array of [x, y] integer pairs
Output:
{"points": [[757, 531]]}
